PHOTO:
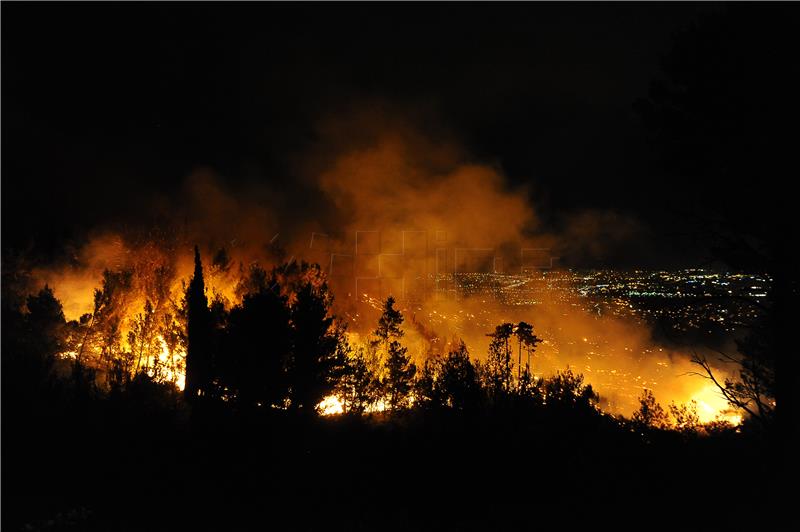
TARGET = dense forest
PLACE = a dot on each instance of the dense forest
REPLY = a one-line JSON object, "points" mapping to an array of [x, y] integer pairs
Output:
{"points": [[99, 435]]}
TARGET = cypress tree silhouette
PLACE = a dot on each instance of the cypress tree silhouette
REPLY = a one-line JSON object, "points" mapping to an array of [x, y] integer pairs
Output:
{"points": [[198, 332]]}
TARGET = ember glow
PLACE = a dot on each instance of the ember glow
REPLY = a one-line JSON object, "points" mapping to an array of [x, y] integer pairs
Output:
{"points": [[617, 356]]}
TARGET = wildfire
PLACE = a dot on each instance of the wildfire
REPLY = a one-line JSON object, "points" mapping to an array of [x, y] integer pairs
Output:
{"points": [[616, 357], [331, 405], [173, 371], [712, 406], [167, 367]]}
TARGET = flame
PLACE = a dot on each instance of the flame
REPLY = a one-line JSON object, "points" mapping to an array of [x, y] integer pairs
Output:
{"points": [[618, 357], [173, 366], [712, 406], [331, 405]]}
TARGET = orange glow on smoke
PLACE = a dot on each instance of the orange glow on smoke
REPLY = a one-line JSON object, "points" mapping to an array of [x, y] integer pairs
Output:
{"points": [[616, 356]]}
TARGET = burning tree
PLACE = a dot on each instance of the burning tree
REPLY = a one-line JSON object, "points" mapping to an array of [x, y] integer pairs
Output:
{"points": [[142, 337], [102, 329]]}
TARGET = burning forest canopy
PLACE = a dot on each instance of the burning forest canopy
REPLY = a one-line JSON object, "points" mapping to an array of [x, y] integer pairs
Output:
{"points": [[389, 214]]}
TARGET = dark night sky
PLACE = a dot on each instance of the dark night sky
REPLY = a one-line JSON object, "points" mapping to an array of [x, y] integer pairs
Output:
{"points": [[100, 100]]}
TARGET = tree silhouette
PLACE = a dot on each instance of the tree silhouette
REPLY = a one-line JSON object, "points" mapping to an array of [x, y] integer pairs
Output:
{"points": [[317, 358], [526, 340], [449, 381], [685, 417], [389, 324], [45, 321], [458, 380], [198, 332], [281, 346], [426, 385], [397, 382], [530, 390], [754, 389], [566, 389], [37, 337], [357, 387], [399, 379], [256, 349], [650, 414], [498, 368]]}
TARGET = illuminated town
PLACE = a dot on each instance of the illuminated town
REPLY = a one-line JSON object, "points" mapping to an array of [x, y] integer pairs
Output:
{"points": [[687, 299]]}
